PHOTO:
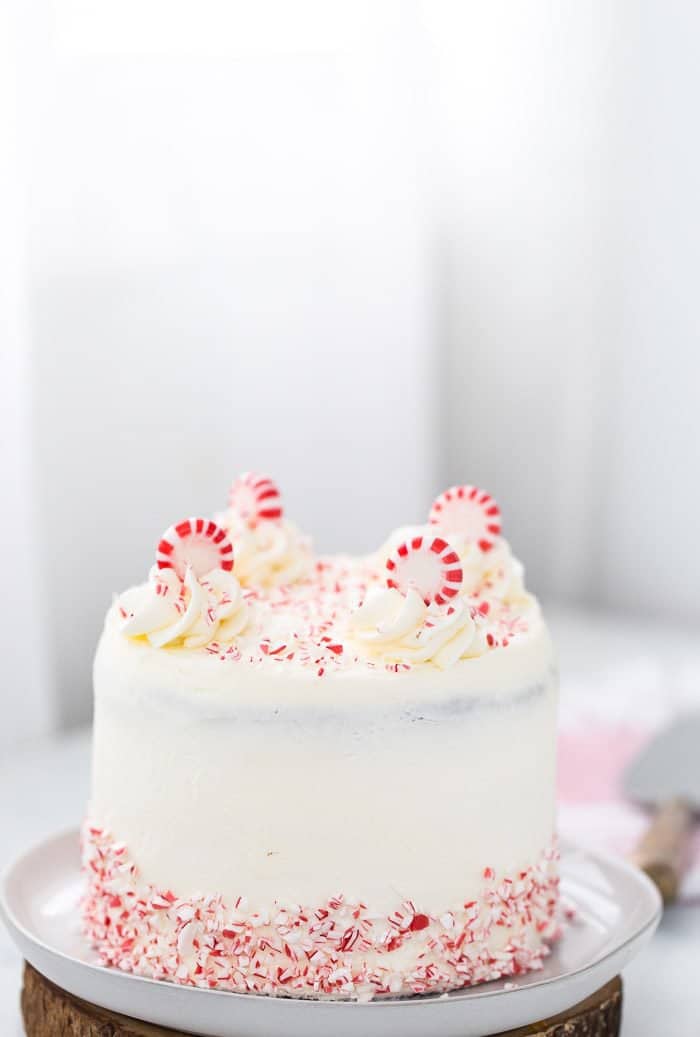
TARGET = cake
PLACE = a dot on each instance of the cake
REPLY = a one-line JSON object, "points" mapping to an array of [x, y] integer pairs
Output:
{"points": [[324, 777]]}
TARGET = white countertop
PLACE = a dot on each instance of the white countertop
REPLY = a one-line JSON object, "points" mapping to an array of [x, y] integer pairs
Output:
{"points": [[44, 786]]}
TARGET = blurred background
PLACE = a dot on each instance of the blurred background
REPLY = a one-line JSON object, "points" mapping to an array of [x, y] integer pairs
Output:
{"points": [[371, 248], [374, 249]]}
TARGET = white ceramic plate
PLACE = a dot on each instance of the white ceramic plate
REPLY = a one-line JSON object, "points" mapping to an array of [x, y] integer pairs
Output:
{"points": [[617, 910]]}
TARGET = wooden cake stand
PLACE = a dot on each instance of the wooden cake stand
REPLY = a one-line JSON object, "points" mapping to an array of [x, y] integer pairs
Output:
{"points": [[51, 1012]]}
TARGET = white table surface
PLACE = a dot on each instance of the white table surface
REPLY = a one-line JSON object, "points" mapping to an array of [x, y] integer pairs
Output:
{"points": [[44, 786]]}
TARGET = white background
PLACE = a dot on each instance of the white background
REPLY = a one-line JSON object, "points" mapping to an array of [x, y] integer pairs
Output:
{"points": [[371, 248]]}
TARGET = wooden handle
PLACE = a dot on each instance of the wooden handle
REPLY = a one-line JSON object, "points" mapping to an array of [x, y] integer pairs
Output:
{"points": [[662, 851]]}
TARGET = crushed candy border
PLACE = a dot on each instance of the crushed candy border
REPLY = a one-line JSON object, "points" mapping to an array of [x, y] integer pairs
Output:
{"points": [[338, 949]]}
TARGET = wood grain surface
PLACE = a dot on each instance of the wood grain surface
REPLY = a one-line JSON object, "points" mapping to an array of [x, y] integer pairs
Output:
{"points": [[51, 1012]]}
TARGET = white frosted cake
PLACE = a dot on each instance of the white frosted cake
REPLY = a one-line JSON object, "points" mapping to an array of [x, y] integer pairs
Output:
{"points": [[324, 777]]}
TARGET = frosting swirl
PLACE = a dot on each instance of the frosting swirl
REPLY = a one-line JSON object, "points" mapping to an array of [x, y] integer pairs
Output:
{"points": [[187, 614], [271, 554], [493, 574], [392, 627]]}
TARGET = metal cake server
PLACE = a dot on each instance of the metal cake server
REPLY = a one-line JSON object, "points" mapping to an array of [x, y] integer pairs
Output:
{"points": [[665, 776]]}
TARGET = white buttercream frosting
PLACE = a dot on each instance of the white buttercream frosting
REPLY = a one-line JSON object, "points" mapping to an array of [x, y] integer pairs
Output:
{"points": [[340, 616], [281, 834], [398, 628], [418, 773], [189, 614], [495, 574], [219, 774], [271, 554], [283, 604]]}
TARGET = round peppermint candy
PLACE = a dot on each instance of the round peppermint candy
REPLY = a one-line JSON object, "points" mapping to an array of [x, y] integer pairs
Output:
{"points": [[195, 542], [254, 497], [428, 565], [470, 512]]}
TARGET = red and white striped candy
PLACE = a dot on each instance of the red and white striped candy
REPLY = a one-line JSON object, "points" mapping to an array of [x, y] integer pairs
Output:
{"points": [[429, 565], [254, 497], [196, 542], [469, 511]]}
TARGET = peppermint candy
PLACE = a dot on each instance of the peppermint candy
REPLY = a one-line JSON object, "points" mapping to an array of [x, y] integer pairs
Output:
{"points": [[470, 512], [428, 565], [254, 497], [195, 542]]}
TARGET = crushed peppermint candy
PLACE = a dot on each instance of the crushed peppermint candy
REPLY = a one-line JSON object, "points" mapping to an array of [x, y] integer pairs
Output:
{"points": [[306, 624], [335, 949], [311, 621]]}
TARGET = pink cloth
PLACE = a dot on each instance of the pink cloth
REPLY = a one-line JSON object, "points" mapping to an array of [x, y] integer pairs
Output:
{"points": [[593, 810], [591, 762]]}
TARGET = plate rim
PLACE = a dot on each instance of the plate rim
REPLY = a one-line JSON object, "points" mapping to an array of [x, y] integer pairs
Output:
{"points": [[477, 992]]}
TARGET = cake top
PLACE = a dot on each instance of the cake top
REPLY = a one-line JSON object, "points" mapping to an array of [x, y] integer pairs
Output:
{"points": [[246, 587]]}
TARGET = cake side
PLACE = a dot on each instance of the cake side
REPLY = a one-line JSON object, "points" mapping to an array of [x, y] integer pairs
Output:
{"points": [[281, 797]]}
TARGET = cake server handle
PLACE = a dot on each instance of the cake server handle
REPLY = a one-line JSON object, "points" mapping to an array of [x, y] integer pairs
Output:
{"points": [[662, 851]]}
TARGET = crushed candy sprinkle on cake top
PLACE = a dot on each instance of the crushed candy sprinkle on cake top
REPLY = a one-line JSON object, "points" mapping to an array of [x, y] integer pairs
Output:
{"points": [[246, 587]]}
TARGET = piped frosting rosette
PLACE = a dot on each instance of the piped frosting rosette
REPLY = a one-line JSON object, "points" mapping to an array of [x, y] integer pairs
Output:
{"points": [[397, 628], [419, 616], [423, 617], [192, 597], [270, 551]]}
